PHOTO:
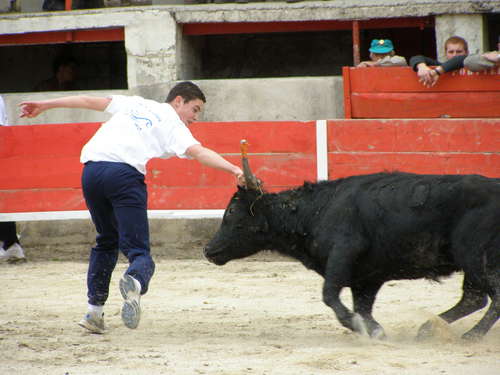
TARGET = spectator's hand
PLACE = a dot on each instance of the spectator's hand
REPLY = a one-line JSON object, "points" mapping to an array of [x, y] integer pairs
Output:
{"points": [[366, 64], [427, 76], [31, 109], [493, 56]]}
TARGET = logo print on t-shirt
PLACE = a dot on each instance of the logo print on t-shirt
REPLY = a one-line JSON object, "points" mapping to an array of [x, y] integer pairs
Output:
{"points": [[141, 123]]}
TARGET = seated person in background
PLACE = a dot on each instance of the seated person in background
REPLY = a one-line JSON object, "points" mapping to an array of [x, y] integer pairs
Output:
{"points": [[382, 54], [64, 78], [488, 60], [456, 50]]}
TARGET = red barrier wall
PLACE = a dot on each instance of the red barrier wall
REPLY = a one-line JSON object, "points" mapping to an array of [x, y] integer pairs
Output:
{"points": [[40, 168], [395, 92], [465, 146]]}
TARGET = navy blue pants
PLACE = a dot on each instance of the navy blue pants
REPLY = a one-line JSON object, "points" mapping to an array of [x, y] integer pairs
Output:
{"points": [[8, 234], [116, 197]]}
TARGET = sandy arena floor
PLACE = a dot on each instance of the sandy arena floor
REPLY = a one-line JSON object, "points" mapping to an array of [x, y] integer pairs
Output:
{"points": [[248, 317]]}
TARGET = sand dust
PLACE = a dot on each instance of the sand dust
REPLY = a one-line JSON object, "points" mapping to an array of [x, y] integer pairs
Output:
{"points": [[248, 317]]}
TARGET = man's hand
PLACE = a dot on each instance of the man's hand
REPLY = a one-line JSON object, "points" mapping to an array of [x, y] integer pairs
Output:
{"points": [[427, 76], [31, 109]]}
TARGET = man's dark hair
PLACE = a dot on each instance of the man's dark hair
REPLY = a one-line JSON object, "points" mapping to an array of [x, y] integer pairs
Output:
{"points": [[187, 90]]}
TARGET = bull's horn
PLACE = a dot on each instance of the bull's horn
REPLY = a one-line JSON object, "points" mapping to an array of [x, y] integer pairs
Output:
{"points": [[251, 181]]}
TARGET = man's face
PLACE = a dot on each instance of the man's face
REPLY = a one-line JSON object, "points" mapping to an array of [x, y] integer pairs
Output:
{"points": [[187, 111], [455, 49]]}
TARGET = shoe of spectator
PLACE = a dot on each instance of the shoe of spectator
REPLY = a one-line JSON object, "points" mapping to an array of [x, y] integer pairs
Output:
{"points": [[130, 289], [14, 253], [93, 323]]}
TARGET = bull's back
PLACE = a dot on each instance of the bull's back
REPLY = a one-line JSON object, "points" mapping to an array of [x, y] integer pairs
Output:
{"points": [[418, 199], [413, 222]]}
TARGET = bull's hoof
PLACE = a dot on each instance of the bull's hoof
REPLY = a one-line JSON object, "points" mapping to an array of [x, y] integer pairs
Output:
{"points": [[360, 326], [378, 334], [472, 336], [425, 331]]}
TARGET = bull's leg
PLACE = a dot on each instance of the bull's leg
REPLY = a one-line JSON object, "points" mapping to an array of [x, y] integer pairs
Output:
{"points": [[363, 300], [337, 276], [331, 293], [492, 279], [487, 321], [473, 299]]}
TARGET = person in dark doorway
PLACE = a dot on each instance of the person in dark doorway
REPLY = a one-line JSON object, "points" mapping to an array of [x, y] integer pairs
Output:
{"points": [[113, 183], [64, 76]]}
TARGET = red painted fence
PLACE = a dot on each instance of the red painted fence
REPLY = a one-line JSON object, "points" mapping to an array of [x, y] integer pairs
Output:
{"points": [[40, 169], [434, 146], [394, 92]]}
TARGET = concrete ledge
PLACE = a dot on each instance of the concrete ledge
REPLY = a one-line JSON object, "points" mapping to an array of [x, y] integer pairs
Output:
{"points": [[73, 239]]}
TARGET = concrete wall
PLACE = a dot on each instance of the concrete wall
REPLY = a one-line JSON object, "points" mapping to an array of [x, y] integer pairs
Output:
{"points": [[157, 53], [227, 100], [73, 239], [469, 26]]}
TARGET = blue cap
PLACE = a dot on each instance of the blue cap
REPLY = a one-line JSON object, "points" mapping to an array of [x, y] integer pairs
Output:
{"points": [[381, 46]]}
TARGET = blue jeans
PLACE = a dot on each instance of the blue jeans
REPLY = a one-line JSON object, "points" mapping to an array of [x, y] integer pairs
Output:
{"points": [[116, 197]]}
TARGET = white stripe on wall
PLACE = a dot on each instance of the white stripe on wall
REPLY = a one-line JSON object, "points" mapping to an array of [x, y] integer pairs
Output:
{"points": [[152, 214], [321, 150]]}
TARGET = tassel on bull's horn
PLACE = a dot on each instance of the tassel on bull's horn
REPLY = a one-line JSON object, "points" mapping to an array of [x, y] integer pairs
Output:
{"points": [[252, 183]]}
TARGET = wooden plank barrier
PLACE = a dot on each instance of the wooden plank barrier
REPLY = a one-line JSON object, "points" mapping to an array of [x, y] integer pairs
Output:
{"points": [[394, 92], [434, 146], [40, 168]]}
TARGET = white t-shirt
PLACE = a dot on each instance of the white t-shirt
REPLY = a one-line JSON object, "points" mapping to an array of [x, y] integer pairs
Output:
{"points": [[139, 130]]}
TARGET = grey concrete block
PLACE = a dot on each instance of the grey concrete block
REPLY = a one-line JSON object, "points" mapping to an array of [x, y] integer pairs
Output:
{"points": [[4, 6], [31, 5]]}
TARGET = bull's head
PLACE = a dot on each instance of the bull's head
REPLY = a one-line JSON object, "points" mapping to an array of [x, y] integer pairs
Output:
{"points": [[244, 227]]}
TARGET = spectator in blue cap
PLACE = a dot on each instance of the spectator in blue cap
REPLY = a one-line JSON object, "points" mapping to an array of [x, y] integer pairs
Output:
{"points": [[382, 54]]}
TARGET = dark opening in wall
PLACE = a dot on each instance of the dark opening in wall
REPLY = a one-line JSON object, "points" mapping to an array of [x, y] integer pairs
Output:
{"points": [[275, 54], [407, 42], [294, 54], [493, 25], [99, 65]]}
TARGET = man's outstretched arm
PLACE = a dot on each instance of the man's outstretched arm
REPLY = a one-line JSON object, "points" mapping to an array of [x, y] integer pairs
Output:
{"points": [[32, 109]]}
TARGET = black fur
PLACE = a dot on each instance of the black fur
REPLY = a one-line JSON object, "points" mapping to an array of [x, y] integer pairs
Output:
{"points": [[362, 231]]}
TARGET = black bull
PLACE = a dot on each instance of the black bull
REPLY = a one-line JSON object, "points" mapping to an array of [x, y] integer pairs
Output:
{"points": [[362, 231]]}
